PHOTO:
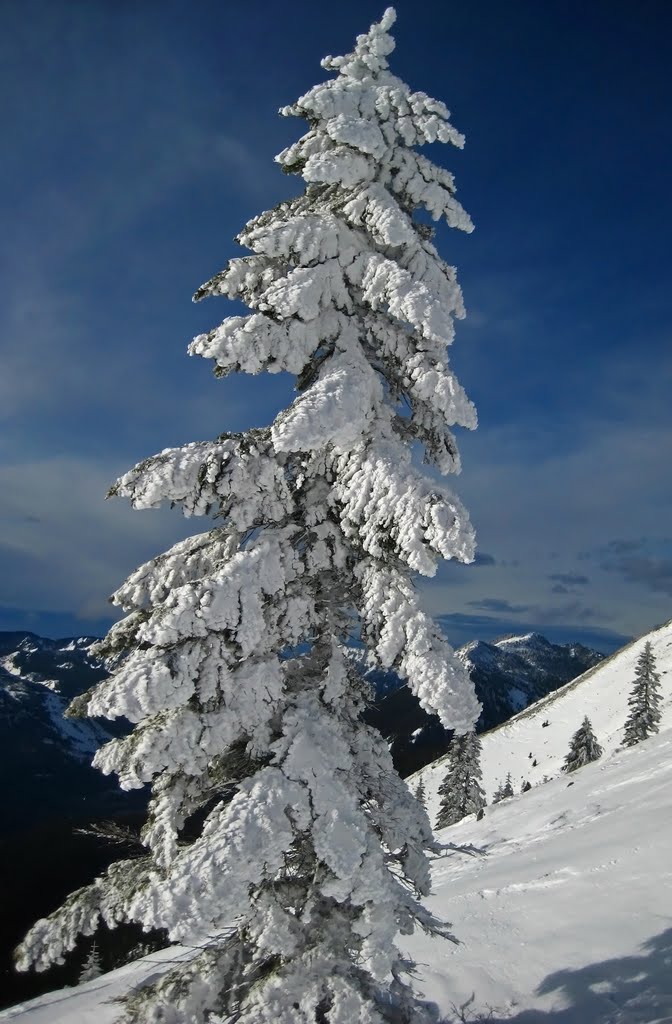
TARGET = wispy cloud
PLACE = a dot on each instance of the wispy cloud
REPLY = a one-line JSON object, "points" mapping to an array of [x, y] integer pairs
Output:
{"points": [[86, 545], [569, 579], [497, 604], [483, 558], [654, 573]]}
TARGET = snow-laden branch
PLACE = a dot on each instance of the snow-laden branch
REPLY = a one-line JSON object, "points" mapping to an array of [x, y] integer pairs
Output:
{"points": [[239, 477], [403, 636], [388, 506]]}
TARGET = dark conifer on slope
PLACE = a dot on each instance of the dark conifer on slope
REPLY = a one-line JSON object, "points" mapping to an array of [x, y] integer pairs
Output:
{"points": [[644, 701], [313, 852], [504, 790], [461, 791], [583, 748]]}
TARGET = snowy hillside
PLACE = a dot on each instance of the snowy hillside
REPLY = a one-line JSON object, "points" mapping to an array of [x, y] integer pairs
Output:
{"points": [[564, 916], [601, 693], [564, 908], [509, 674]]}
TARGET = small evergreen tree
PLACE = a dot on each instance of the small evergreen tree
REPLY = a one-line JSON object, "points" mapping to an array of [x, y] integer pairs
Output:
{"points": [[644, 701], [461, 791], [583, 748], [504, 790], [311, 852], [92, 966], [420, 794]]}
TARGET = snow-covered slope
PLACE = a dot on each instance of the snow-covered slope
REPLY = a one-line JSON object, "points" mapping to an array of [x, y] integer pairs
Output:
{"points": [[601, 693], [563, 908], [564, 915], [509, 675]]}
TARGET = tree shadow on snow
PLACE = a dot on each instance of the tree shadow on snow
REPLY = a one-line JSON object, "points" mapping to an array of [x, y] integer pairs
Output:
{"points": [[627, 990]]}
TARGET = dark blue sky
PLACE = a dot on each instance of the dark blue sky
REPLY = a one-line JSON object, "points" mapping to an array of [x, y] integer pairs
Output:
{"points": [[137, 140]]}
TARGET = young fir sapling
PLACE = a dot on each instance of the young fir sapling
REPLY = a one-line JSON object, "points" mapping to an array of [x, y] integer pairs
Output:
{"points": [[583, 747]]}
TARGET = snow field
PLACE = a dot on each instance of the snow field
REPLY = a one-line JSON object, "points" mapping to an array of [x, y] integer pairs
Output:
{"points": [[570, 900], [564, 915]]}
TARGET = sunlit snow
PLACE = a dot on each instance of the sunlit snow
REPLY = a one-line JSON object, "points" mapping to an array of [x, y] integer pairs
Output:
{"points": [[563, 908]]}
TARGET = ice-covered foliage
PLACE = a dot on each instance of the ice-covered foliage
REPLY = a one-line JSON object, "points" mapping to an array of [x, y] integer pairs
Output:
{"points": [[280, 841], [644, 701], [461, 791], [583, 747]]}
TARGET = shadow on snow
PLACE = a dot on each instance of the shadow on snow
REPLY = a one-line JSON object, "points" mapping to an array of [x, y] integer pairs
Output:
{"points": [[626, 990]]}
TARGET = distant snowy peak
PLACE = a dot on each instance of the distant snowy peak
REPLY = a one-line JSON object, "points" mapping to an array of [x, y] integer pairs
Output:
{"points": [[539, 653], [523, 640], [31, 643], [38, 678], [516, 671], [528, 645]]}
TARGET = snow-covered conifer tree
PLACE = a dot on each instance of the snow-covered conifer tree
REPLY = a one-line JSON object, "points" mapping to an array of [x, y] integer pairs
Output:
{"points": [[644, 700], [313, 852], [92, 967], [461, 791], [504, 790], [420, 794], [583, 748]]}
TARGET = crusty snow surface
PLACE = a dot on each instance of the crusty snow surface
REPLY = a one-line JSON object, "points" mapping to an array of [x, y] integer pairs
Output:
{"points": [[563, 910]]}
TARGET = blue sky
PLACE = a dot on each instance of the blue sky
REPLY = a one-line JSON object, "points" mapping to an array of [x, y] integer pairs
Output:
{"points": [[139, 138]]}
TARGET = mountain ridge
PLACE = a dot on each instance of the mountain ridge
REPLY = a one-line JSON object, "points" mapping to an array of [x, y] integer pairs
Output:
{"points": [[49, 756]]}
